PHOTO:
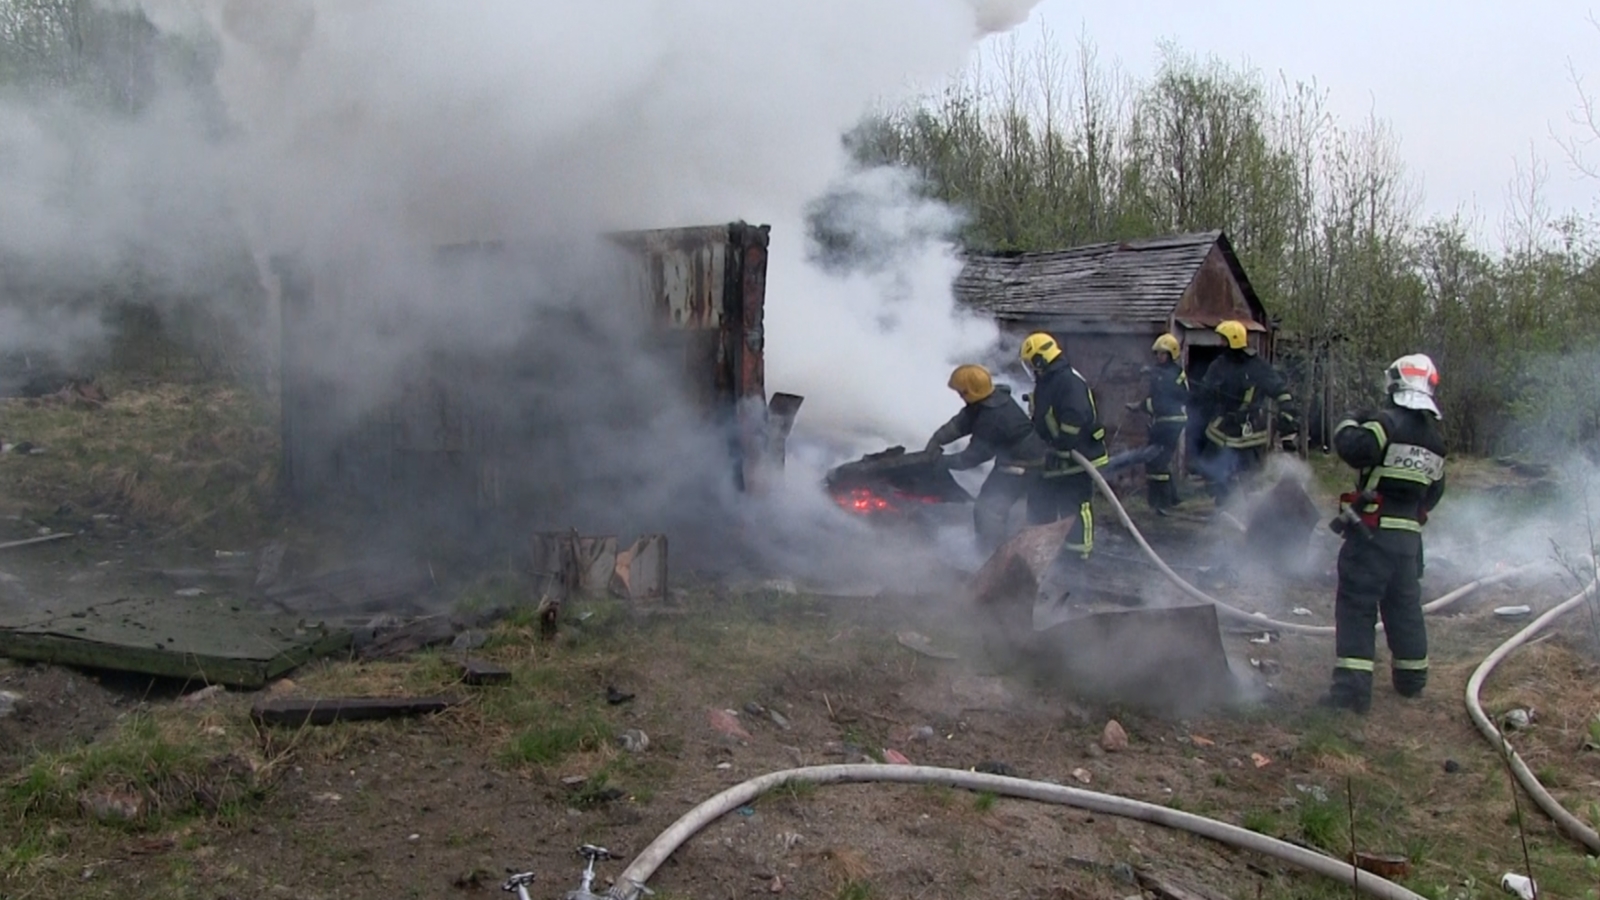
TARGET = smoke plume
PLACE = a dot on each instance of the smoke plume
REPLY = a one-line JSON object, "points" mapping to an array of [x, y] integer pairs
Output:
{"points": [[359, 136]]}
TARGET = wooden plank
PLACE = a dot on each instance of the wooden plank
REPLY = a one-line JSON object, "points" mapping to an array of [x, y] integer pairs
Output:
{"points": [[479, 673], [1171, 890], [642, 570], [295, 711]]}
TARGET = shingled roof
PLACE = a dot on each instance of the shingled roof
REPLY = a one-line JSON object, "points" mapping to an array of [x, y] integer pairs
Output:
{"points": [[1130, 281]]}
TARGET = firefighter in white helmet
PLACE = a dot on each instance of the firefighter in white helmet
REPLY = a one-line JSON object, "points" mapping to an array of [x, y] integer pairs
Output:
{"points": [[1398, 454]]}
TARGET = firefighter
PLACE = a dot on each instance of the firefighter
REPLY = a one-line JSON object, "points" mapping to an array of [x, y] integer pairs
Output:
{"points": [[1064, 416], [1166, 403], [1235, 391], [1000, 431], [1399, 457]]}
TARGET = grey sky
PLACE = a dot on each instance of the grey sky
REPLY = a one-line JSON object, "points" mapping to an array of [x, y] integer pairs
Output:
{"points": [[1467, 84]]}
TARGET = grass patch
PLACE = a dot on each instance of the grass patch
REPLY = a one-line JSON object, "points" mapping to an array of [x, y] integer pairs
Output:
{"points": [[1260, 821], [798, 790], [1323, 824], [984, 802], [170, 456], [562, 733], [149, 773], [856, 890]]}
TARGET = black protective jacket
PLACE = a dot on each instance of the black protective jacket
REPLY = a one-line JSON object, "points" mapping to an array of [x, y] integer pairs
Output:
{"points": [[1398, 455], [1000, 431], [1235, 392], [1064, 415], [1168, 399]]}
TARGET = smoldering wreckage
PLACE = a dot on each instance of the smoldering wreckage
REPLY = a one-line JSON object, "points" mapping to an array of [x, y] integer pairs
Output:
{"points": [[439, 448]]}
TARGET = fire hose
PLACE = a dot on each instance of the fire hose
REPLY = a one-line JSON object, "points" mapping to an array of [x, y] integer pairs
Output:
{"points": [[1260, 619], [1569, 823], [630, 884]]}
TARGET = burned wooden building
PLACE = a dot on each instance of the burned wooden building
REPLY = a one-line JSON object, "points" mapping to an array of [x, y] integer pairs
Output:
{"points": [[1107, 303], [456, 425]]}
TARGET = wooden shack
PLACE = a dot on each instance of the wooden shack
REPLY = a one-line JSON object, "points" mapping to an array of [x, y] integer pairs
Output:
{"points": [[1107, 303], [455, 431]]}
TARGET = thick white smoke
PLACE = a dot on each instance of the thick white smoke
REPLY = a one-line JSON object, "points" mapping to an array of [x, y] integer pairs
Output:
{"points": [[365, 128], [361, 134]]}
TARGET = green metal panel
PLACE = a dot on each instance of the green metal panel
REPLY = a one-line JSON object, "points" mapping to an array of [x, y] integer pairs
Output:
{"points": [[217, 641]]}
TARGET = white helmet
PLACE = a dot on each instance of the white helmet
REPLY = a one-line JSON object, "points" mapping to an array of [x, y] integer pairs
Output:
{"points": [[1410, 381]]}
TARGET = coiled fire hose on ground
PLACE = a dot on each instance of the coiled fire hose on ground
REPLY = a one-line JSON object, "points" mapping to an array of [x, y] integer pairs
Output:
{"points": [[1261, 619], [630, 884], [1568, 822]]}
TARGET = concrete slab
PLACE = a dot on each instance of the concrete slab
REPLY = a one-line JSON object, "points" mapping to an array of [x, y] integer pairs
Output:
{"points": [[213, 640]]}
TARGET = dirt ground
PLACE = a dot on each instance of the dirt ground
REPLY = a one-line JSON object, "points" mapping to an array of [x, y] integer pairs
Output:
{"points": [[441, 806], [119, 787]]}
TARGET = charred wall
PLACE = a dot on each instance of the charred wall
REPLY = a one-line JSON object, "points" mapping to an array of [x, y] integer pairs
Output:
{"points": [[471, 434]]}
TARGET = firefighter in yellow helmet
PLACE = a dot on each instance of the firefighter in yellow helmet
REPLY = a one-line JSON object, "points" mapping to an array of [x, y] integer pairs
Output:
{"points": [[1000, 431], [1064, 415], [1166, 402], [1234, 396]]}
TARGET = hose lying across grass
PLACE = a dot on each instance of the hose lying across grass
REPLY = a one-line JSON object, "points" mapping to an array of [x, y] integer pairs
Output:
{"points": [[1261, 619], [1568, 822], [630, 884]]}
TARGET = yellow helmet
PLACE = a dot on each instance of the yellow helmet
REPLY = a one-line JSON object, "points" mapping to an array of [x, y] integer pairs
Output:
{"points": [[1039, 350], [1166, 344], [1235, 334], [972, 383]]}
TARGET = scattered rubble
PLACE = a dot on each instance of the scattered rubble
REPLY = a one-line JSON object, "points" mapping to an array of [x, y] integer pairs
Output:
{"points": [[113, 806], [1517, 719], [203, 695], [633, 740], [1383, 865], [921, 643], [390, 642], [726, 723], [1114, 739], [1520, 885], [9, 703]]}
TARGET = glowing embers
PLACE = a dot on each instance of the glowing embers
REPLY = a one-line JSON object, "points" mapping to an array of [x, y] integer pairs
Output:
{"points": [[866, 502]]}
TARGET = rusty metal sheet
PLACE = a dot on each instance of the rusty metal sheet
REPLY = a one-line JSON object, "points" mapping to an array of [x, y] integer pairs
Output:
{"points": [[1163, 659]]}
